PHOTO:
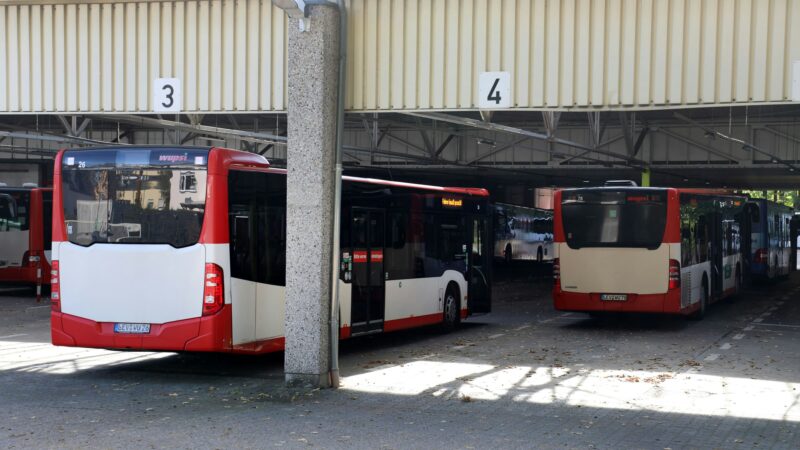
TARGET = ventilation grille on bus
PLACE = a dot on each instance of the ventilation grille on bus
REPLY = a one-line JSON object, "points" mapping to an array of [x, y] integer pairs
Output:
{"points": [[686, 289]]}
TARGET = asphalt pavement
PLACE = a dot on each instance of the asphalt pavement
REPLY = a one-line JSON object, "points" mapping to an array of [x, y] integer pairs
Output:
{"points": [[524, 376]]}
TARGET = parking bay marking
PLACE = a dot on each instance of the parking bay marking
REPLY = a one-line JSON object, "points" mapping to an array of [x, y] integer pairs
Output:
{"points": [[725, 346], [712, 357], [12, 336], [776, 325]]}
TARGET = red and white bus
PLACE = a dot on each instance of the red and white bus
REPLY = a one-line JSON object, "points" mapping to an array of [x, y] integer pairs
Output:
{"points": [[25, 220], [655, 250], [184, 249]]}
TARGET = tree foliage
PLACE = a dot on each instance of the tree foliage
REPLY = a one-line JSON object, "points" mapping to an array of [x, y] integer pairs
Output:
{"points": [[787, 198]]}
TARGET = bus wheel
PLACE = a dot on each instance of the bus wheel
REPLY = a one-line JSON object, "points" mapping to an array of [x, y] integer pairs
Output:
{"points": [[451, 312], [508, 254], [700, 313], [539, 255]]}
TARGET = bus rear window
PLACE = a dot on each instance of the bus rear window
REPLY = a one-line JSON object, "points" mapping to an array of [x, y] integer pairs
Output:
{"points": [[155, 205], [614, 218], [14, 210]]}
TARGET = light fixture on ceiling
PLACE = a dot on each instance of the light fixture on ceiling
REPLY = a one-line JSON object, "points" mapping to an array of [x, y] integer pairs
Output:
{"points": [[489, 142]]}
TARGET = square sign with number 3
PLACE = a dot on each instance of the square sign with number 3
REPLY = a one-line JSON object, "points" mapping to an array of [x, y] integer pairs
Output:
{"points": [[167, 95], [494, 90]]}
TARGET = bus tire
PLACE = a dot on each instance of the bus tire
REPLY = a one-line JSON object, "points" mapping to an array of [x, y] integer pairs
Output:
{"points": [[508, 255], [539, 255], [701, 313], [451, 310]]}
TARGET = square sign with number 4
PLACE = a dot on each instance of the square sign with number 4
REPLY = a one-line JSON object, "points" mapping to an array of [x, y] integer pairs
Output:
{"points": [[494, 90], [167, 95]]}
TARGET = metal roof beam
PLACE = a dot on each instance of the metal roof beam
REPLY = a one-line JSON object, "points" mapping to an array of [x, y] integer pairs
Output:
{"points": [[699, 145], [249, 136], [444, 144], [532, 134], [52, 138], [498, 150], [780, 134], [745, 144]]}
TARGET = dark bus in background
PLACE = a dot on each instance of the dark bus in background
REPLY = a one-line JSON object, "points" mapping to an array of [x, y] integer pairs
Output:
{"points": [[522, 233], [770, 238], [25, 236]]}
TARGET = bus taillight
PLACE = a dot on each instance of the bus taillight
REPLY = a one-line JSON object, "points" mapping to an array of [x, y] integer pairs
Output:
{"points": [[55, 287], [557, 273], [213, 293], [674, 274]]}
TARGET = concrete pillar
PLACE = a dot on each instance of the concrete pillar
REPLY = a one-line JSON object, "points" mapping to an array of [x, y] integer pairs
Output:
{"points": [[313, 73]]}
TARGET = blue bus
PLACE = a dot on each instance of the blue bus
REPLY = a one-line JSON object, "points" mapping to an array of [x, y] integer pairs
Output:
{"points": [[770, 242]]}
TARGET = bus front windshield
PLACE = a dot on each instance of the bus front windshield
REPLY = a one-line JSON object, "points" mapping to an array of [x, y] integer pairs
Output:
{"points": [[114, 202], [614, 218]]}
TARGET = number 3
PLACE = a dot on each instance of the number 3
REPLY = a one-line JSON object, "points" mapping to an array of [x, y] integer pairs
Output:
{"points": [[168, 96]]}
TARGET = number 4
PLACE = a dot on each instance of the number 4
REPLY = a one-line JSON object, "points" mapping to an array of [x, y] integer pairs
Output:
{"points": [[494, 94]]}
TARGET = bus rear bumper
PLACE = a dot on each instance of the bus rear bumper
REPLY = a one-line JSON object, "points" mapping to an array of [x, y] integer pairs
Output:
{"points": [[202, 334], [23, 275], [667, 303]]}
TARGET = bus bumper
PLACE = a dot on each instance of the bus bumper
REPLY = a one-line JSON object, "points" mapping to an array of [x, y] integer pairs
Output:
{"points": [[202, 334], [23, 275], [668, 303]]}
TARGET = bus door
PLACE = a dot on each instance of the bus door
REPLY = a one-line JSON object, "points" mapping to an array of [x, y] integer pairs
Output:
{"points": [[746, 219], [367, 237], [480, 266], [793, 236], [717, 235]]}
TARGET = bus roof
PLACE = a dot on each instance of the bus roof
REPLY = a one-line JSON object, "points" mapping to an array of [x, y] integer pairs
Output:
{"points": [[23, 188], [478, 192]]}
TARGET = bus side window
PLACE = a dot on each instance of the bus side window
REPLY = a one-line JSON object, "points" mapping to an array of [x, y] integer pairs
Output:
{"points": [[687, 233], [701, 239], [399, 253], [241, 191], [686, 244]]}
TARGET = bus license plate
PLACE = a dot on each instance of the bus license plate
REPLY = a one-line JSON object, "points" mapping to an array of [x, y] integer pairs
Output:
{"points": [[132, 328], [614, 297]]}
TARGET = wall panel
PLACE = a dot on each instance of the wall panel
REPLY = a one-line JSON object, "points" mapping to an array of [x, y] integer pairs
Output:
{"points": [[102, 56], [573, 54], [230, 55]]}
